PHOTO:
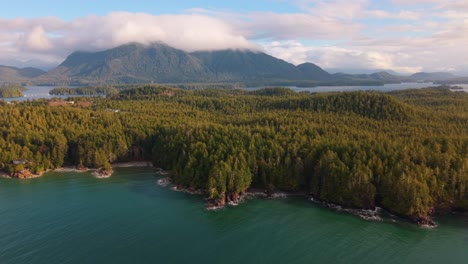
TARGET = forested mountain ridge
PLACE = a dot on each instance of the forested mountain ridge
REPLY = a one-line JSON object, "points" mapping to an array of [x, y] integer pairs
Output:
{"points": [[405, 151], [232, 65], [13, 75], [431, 76], [131, 63], [158, 63]]}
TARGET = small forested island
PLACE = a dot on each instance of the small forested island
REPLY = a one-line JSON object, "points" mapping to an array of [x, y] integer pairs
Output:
{"points": [[405, 151], [11, 91], [99, 90]]}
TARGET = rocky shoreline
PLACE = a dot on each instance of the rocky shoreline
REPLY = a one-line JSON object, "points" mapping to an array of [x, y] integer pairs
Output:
{"points": [[103, 173], [24, 174], [376, 214], [230, 199]]}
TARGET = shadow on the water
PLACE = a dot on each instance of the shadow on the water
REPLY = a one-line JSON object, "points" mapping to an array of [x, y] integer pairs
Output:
{"points": [[457, 220], [137, 182]]}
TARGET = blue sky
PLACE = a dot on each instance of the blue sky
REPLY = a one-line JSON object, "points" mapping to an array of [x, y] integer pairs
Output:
{"points": [[360, 35], [72, 9]]}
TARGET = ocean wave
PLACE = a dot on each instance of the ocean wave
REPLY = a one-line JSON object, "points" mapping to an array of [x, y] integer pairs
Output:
{"points": [[164, 182]]}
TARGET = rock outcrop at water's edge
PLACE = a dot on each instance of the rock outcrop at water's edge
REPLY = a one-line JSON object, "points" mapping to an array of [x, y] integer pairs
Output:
{"points": [[103, 173], [426, 220], [226, 198], [23, 174]]}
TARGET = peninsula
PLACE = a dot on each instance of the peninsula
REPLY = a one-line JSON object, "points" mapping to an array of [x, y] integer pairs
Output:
{"points": [[404, 151]]}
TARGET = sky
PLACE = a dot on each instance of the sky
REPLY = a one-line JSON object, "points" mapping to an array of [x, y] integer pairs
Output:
{"points": [[405, 36]]}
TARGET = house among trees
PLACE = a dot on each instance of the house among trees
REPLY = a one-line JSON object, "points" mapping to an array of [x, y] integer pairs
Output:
{"points": [[19, 161]]}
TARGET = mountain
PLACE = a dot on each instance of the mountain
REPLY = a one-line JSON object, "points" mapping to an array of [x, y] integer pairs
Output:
{"points": [[10, 74], [361, 71], [453, 81], [136, 63], [159, 63], [246, 65], [431, 76], [131, 63], [377, 78], [386, 77], [313, 72]]}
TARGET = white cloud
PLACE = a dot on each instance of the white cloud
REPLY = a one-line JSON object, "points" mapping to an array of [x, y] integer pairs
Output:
{"points": [[413, 35], [334, 57], [51, 39], [307, 26], [337, 9], [402, 15], [187, 32], [35, 40]]}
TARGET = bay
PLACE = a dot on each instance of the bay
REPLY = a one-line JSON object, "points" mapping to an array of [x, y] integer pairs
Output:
{"points": [[128, 218], [42, 92]]}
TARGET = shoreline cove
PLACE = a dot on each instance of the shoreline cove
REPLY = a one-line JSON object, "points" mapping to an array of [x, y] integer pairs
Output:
{"points": [[101, 217], [377, 215]]}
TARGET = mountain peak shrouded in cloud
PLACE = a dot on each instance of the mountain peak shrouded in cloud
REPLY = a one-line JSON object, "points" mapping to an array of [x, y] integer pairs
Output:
{"points": [[404, 36], [136, 63], [50, 40], [158, 62]]}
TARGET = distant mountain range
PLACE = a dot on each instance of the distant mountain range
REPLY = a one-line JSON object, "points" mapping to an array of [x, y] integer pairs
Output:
{"points": [[433, 76], [18, 75], [159, 63]]}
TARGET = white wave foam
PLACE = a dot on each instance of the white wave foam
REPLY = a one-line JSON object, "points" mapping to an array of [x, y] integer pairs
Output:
{"points": [[366, 214]]}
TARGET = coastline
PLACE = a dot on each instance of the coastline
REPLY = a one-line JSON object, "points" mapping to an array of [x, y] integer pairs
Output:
{"points": [[236, 199], [96, 172], [376, 214]]}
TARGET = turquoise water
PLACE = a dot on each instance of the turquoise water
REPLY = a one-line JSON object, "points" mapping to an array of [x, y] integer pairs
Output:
{"points": [[129, 218]]}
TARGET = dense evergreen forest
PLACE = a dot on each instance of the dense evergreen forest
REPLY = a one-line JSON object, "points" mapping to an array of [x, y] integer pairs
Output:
{"points": [[10, 91], [405, 151]]}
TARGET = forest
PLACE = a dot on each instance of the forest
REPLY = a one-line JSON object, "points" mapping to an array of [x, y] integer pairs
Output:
{"points": [[405, 151], [98, 90]]}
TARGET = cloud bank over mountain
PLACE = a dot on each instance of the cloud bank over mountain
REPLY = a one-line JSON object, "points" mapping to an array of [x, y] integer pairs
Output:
{"points": [[405, 36], [51, 39]]}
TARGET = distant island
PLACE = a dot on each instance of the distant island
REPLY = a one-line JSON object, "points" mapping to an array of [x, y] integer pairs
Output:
{"points": [[11, 91], [99, 90], [403, 151]]}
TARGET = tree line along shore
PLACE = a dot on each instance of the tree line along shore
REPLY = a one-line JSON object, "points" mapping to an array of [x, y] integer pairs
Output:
{"points": [[11, 91], [405, 151]]}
